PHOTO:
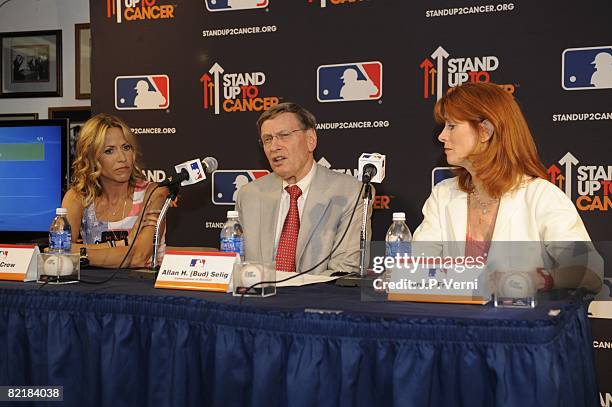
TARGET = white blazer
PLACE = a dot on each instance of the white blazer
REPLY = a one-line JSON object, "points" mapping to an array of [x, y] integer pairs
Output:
{"points": [[536, 211]]}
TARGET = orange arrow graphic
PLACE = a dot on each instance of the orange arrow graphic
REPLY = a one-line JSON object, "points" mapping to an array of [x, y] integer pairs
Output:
{"points": [[560, 178]]}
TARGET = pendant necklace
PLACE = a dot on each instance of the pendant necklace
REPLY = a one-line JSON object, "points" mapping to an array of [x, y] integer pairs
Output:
{"points": [[115, 237], [484, 206]]}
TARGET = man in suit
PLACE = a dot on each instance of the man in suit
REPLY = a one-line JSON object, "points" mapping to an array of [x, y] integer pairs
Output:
{"points": [[298, 214]]}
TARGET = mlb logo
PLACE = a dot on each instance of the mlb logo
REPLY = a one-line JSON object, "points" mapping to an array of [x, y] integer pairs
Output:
{"points": [[439, 174], [197, 173], [142, 92], [197, 263], [226, 183], [231, 5], [347, 82], [586, 68]]}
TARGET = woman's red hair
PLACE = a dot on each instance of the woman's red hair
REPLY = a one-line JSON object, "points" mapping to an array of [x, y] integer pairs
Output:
{"points": [[509, 154]]}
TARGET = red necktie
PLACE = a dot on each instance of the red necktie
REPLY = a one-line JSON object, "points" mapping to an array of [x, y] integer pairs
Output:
{"points": [[285, 253]]}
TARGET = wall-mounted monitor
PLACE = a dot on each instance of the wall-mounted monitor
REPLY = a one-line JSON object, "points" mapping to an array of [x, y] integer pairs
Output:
{"points": [[33, 176]]}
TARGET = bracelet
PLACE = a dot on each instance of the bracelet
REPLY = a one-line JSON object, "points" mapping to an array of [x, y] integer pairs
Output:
{"points": [[548, 279], [83, 259]]}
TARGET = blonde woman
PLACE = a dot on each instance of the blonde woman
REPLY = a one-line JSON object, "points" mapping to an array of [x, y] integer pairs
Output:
{"points": [[106, 199]]}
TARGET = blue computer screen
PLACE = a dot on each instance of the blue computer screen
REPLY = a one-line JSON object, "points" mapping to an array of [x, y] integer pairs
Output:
{"points": [[31, 176]]}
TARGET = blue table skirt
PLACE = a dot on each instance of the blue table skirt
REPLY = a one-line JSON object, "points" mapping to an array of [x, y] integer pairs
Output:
{"points": [[153, 350]]}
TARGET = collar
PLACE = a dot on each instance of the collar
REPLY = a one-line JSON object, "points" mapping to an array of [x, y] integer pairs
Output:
{"points": [[304, 183]]}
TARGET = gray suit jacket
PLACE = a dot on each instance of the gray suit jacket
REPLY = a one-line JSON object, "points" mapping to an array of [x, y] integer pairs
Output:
{"points": [[325, 216]]}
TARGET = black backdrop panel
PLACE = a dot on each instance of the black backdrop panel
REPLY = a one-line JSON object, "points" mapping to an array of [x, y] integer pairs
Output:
{"points": [[280, 46], [602, 347]]}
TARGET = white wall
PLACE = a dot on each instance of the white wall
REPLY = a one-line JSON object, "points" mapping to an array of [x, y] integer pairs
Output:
{"points": [[34, 15]]}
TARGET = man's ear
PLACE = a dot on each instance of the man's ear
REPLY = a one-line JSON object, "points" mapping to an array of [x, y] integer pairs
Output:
{"points": [[488, 130], [311, 139]]}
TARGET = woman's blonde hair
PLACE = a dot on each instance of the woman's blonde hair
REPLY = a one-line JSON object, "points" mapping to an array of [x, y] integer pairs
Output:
{"points": [[510, 153], [86, 168]]}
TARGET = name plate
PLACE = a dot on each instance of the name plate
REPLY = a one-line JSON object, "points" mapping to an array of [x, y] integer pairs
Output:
{"points": [[201, 271], [432, 283], [18, 262]]}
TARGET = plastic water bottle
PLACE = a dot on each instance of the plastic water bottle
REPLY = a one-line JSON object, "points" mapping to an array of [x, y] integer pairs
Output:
{"points": [[231, 235], [60, 233], [398, 236]]}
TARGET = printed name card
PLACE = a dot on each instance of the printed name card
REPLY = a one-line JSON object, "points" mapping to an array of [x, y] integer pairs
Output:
{"points": [[453, 282], [204, 271], [18, 262]]}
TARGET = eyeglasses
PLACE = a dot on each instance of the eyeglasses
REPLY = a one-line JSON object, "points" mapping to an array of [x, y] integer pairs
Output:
{"points": [[266, 139]]}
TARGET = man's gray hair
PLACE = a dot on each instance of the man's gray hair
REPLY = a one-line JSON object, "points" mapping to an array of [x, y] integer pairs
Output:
{"points": [[307, 119]]}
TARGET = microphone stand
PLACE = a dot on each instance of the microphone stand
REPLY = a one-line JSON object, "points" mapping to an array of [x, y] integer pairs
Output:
{"points": [[354, 279], [173, 185], [174, 189], [151, 273], [363, 237]]}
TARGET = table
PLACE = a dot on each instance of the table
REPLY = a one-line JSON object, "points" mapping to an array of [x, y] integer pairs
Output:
{"points": [[124, 343]]}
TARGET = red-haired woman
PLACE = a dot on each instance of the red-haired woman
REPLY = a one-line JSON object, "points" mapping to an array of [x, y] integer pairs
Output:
{"points": [[500, 192]]}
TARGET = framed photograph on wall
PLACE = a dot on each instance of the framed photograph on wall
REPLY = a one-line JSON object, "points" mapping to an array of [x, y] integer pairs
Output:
{"points": [[18, 116], [77, 116], [31, 64], [82, 37]]}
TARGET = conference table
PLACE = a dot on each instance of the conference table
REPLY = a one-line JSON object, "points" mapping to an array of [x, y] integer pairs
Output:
{"points": [[125, 343]]}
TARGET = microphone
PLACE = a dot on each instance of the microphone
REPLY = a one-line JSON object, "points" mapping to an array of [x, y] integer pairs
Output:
{"points": [[369, 171], [372, 167], [191, 172]]}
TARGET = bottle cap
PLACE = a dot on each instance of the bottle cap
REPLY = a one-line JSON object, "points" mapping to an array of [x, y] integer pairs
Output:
{"points": [[61, 211], [232, 214], [399, 216]]}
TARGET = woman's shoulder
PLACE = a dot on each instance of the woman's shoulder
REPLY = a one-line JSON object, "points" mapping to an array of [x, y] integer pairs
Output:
{"points": [[73, 198], [448, 183], [142, 185], [540, 186], [74, 203], [544, 193], [449, 186], [143, 189]]}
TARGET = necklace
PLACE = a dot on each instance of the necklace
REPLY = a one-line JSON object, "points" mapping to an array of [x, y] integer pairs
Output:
{"points": [[115, 237], [117, 210], [484, 206]]}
